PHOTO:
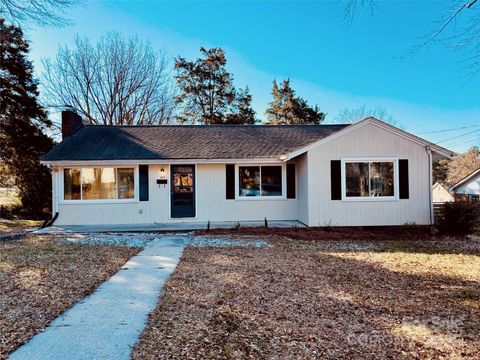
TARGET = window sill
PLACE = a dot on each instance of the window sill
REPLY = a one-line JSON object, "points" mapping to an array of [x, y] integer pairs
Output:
{"points": [[371, 199], [90, 202], [260, 198]]}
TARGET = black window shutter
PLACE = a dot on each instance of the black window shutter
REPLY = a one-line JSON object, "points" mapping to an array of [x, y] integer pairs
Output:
{"points": [[403, 178], [291, 181], [336, 179], [143, 175], [230, 181]]}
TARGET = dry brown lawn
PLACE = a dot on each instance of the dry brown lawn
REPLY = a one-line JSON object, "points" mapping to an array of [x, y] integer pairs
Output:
{"points": [[320, 299], [41, 277], [11, 227]]}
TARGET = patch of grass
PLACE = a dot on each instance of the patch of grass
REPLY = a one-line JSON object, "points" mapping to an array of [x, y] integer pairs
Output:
{"points": [[17, 226], [320, 299], [9, 196], [40, 277]]}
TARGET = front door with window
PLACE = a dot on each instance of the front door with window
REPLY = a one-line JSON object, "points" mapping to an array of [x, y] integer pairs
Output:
{"points": [[183, 191]]}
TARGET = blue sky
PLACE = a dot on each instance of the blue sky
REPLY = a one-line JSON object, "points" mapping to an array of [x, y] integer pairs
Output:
{"points": [[329, 62]]}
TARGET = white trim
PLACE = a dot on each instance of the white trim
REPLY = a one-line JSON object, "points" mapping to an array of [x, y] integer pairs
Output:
{"points": [[380, 124], [158, 162], [260, 197], [100, 201], [346, 160]]}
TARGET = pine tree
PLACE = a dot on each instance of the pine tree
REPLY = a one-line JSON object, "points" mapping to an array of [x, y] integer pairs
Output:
{"points": [[274, 111], [243, 112], [289, 109], [22, 120]]}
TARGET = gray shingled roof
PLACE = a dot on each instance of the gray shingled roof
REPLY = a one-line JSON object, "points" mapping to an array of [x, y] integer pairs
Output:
{"points": [[96, 142]]}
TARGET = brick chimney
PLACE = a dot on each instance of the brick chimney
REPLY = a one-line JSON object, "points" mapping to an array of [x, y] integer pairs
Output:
{"points": [[71, 122]]}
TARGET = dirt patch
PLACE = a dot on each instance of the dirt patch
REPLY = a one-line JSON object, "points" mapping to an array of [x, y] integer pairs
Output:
{"points": [[331, 233], [40, 277], [320, 299]]}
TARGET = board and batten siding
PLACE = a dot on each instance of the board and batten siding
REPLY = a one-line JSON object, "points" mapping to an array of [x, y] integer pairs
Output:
{"points": [[211, 203], [368, 141]]}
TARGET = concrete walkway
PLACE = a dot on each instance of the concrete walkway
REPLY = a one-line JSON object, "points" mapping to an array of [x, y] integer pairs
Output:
{"points": [[107, 324], [179, 226]]}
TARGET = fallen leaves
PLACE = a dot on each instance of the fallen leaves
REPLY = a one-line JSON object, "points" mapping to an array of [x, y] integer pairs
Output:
{"points": [[40, 277], [320, 299]]}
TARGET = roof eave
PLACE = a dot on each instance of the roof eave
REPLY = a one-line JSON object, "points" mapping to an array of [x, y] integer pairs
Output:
{"points": [[160, 161], [464, 180]]}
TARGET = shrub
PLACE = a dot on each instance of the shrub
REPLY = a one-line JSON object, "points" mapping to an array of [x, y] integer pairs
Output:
{"points": [[15, 211], [458, 218], [10, 211]]}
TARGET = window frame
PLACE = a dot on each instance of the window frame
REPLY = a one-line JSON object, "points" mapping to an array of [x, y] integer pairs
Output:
{"points": [[395, 196], [99, 201], [260, 197]]}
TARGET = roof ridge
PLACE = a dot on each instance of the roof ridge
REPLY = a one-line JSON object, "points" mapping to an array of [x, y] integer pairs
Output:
{"points": [[214, 125]]}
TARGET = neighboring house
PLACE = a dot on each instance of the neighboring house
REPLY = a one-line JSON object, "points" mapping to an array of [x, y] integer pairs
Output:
{"points": [[367, 173], [468, 189], [440, 194]]}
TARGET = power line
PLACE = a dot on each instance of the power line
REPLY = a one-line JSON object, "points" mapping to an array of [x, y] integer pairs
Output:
{"points": [[458, 136], [447, 130], [465, 142]]}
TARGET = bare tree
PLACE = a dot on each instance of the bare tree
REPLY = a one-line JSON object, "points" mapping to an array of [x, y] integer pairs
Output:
{"points": [[115, 81], [348, 116], [41, 12], [458, 28], [353, 6]]}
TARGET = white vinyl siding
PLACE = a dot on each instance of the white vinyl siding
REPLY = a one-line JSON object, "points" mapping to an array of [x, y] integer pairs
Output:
{"points": [[210, 201], [368, 141]]}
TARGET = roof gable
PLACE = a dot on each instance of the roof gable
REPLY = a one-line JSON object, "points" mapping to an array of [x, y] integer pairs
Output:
{"points": [[441, 152]]}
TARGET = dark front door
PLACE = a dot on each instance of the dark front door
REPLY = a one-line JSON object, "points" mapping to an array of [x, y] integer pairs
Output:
{"points": [[183, 191]]}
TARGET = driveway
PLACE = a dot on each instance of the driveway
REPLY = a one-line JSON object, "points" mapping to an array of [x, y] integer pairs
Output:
{"points": [[107, 324]]}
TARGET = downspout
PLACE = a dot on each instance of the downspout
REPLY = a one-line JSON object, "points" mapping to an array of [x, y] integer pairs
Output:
{"points": [[430, 177], [55, 179]]}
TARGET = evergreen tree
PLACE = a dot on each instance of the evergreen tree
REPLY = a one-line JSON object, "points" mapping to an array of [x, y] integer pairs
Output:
{"points": [[22, 121], [207, 90], [243, 112], [289, 109], [274, 111]]}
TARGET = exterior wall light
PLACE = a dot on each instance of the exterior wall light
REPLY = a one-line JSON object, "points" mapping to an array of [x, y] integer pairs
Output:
{"points": [[163, 177]]}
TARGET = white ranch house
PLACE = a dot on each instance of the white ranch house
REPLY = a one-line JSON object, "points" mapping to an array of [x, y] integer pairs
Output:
{"points": [[364, 174]]}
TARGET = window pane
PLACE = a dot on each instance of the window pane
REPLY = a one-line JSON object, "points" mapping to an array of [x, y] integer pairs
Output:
{"points": [[356, 179], [98, 183], [126, 188], [381, 179], [271, 181], [71, 184], [249, 181]]}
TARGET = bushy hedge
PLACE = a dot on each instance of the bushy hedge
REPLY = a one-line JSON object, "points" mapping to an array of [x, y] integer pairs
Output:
{"points": [[459, 218]]}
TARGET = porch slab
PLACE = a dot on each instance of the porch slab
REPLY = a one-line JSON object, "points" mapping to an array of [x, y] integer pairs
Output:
{"points": [[180, 226]]}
